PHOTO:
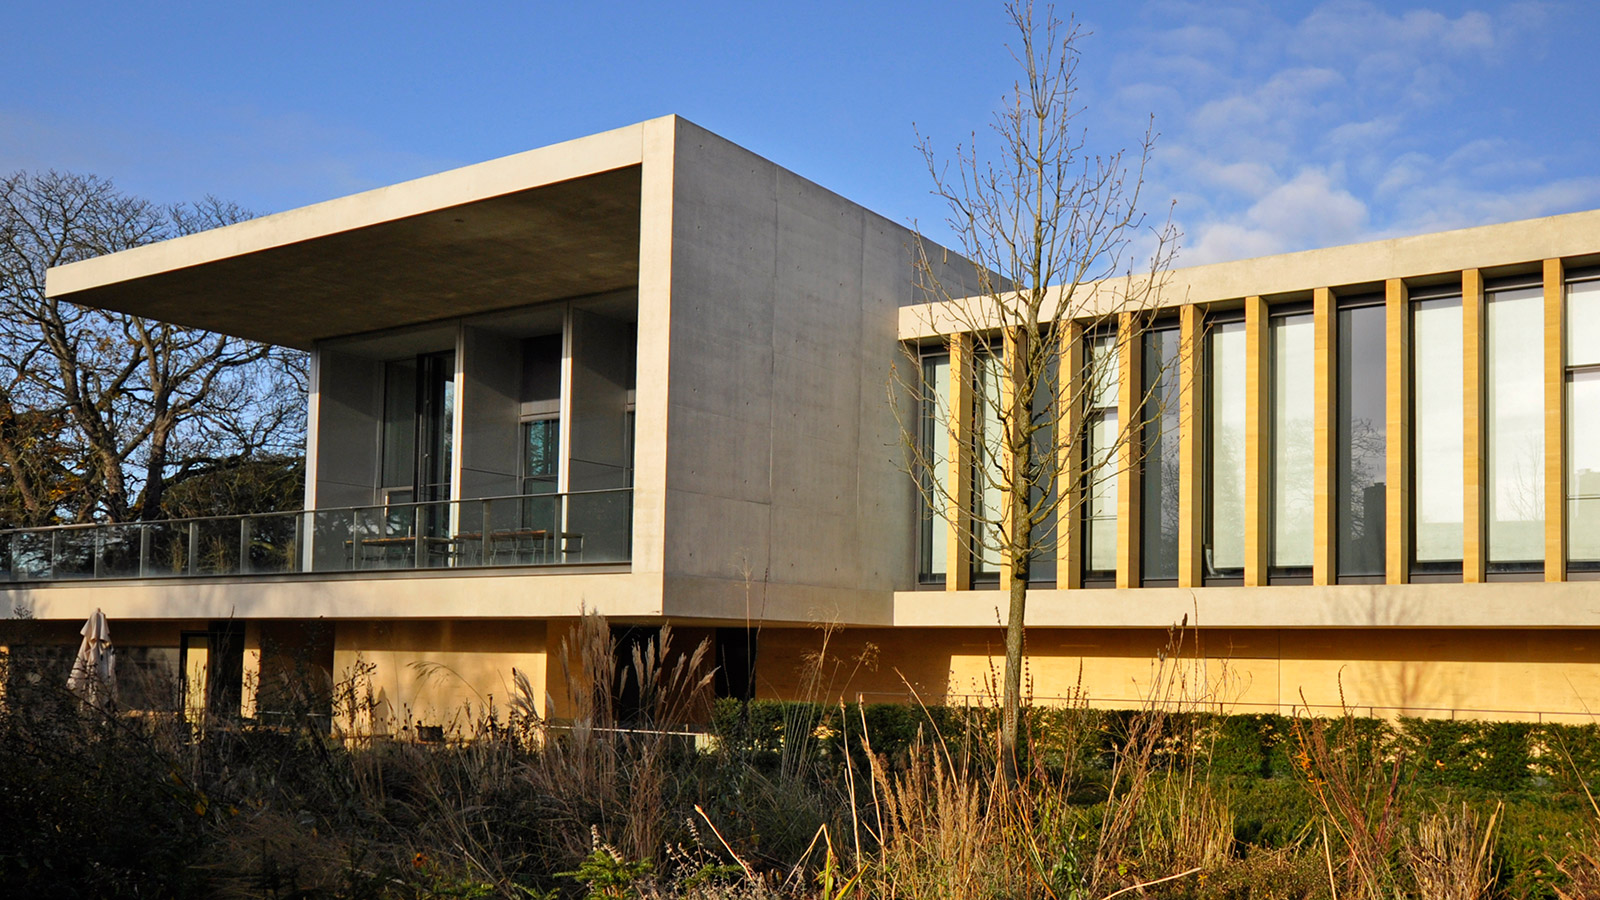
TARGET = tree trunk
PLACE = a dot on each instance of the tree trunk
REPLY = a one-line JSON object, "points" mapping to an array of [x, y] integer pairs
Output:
{"points": [[1019, 541], [155, 476], [1011, 709]]}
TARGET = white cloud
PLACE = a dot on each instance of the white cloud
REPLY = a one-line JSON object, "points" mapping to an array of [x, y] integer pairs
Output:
{"points": [[1309, 210], [1344, 124]]}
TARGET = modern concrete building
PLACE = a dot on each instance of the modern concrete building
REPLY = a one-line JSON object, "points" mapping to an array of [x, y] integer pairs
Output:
{"points": [[644, 372]]}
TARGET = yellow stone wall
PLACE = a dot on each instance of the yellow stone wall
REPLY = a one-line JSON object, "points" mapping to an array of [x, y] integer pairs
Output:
{"points": [[1500, 674], [438, 672]]}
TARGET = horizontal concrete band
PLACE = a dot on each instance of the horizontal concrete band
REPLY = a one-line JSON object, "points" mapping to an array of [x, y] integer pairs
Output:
{"points": [[1496, 605], [1511, 247], [526, 595]]}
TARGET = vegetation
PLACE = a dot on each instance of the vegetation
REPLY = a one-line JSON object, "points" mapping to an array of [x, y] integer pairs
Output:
{"points": [[104, 415], [1060, 252], [787, 799]]}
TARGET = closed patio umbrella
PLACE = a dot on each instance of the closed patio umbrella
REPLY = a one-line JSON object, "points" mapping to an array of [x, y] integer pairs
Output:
{"points": [[94, 672]]}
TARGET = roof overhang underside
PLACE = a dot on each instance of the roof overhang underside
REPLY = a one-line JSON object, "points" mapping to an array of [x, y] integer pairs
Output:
{"points": [[571, 238]]}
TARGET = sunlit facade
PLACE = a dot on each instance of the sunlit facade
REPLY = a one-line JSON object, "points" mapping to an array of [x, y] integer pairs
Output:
{"points": [[643, 373]]}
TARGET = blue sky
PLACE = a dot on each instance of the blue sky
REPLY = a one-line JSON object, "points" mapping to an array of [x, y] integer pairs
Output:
{"points": [[1283, 125]]}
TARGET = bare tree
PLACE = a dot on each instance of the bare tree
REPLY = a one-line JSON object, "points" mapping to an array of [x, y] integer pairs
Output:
{"points": [[145, 403], [1067, 272]]}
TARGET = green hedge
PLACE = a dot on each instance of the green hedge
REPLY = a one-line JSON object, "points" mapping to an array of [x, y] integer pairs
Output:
{"points": [[1459, 754]]}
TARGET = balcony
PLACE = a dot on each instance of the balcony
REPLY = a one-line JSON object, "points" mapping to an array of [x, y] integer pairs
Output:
{"points": [[577, 528]]}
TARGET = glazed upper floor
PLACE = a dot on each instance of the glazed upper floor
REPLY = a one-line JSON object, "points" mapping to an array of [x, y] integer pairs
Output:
{"points": [[1413, 410]]}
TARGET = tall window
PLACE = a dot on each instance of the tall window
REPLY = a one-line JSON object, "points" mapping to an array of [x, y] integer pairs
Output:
{"points": [[1583, 425], [1100, 459], [934, 539], [1437, 429], [1042, 567], [399, 471], [541, 456], [1293, 424], [1515, 387], [1362, 419], [1225, 450], [418, 423], [436, 400], [988, 493], [1159, 443]]}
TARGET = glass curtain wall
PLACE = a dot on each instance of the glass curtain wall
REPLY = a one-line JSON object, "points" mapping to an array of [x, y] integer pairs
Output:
{"points": [[1225, 450], [1100, 459], [436, 400], [987, 495], [1043, 566], [541, 462], [934, 538], [1361, 411], [418, 418], [541, 431], [988, 488], [398, 481], [1159, 443], [1437, 434], [1583, 425], [1515, 388], [1293, 426]]}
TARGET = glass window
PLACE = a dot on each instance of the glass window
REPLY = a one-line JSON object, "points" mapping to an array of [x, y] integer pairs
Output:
{"points": [[1100, 458], [418, 426], [541, 457], [988, 493], [1583, 424], [1515, 387], [400, 425], [1159, 495], [1293, 425], [1437, 429], [1361, 409], [1042, 568], [935, 531], [1225, 450]]}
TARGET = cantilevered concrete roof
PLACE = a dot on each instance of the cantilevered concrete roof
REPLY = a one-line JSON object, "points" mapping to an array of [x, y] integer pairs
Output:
{"points": [[560, 221]]}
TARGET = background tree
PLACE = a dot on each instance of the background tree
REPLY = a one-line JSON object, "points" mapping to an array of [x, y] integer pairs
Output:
{"points": [[102, 413], [1062, 256]]}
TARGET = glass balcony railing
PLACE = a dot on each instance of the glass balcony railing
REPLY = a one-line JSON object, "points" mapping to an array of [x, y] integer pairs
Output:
{"points": [[524, 530]]}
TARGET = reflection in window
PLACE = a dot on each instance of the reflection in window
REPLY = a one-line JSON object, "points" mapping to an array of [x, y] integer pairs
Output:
{"points": [[418, 420], [1515, 388], [1437, 428], [541, 456], [1225, 450], [1583, 425], [399, 471], [1362, 428], [1159, 443], [1100, 459], [935, 533], [1293, 464], [1042, 568], [988, 495]]}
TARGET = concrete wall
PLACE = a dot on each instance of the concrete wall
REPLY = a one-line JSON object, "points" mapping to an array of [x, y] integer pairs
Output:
{"points": [[785, 497]]}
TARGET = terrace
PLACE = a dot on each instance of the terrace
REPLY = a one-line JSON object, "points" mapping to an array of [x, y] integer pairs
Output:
{"points": [[570, 529], [473, 344]]}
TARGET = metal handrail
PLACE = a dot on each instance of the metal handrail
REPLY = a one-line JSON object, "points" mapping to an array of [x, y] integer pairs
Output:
{"points": [[262, 543], [82, 526]]}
